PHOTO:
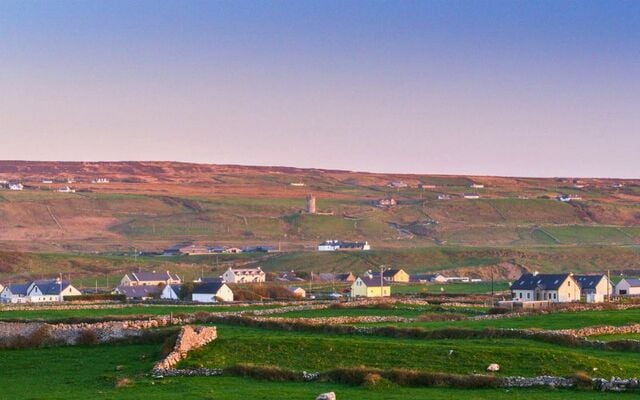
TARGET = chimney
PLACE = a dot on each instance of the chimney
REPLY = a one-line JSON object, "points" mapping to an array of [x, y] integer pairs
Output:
{"points": [[535, 273]]}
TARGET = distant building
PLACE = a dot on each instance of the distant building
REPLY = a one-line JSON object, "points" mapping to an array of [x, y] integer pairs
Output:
{"points": [[566, 198], [338, 245], [211, 292], [297, 291], [311, 204], [393, 275], [595, 288], [150, 279], [428, 278], [397, 184], [171, 292], [556, 288], [244, 275], [297, 184], [258, 249], [345, 277], [369, 287], [628, 287], [477, 186], [47, 181], [16, 186], [386, 202], [444, 197], [100, 180], [66, 189], [139, 292], [471, 196], [39, 291]]}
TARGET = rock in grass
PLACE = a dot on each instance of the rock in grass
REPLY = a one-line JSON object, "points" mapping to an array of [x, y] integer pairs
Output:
{"points": [[326, 396], [493, 367]]}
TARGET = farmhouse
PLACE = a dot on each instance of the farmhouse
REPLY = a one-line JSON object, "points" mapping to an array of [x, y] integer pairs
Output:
{"points": [[396, 275], [211, 292], [244, 275], [297, 291], [370, 287], [139, 292], [471, 196], [16, 186], [150, 279], [628, 287], [171, 292], [557, 288], [595, 288], [40, 291]]}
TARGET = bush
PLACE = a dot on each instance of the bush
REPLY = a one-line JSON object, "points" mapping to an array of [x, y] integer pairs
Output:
{"points": [[266, 372]]}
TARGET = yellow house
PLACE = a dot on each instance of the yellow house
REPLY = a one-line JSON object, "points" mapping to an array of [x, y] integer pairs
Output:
{"points": [[370, 287], [396, 275]]}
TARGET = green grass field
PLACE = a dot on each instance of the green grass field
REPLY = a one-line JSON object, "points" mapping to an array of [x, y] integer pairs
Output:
{"points": [[561, 320], [80, 373], [322, 352]]}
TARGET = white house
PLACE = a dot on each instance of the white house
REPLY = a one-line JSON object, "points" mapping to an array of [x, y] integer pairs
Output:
{"points": [[595, 288], [557, 288], [171, 292], [40, 291], [628, 287], [471, 196], [244, 275], [150, 279], [15, 293], [211, 292], [477, 186], [16, 186], [370, 287]]}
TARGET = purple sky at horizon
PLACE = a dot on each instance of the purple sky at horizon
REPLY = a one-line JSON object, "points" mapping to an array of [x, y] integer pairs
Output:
{"points": [[515, 88]]}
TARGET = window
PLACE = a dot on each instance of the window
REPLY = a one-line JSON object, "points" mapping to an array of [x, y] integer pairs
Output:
{"points": [[528, 295]]}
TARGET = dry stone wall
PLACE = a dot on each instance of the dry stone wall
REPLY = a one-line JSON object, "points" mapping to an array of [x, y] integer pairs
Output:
{"points": [[189, 338]]}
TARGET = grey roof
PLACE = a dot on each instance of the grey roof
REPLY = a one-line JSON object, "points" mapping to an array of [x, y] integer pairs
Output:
{"points": [[207, 287], [542, 281], [633, 282], [51, 287], [588, 281], [373, 282], [138, 292], [390, 272]]}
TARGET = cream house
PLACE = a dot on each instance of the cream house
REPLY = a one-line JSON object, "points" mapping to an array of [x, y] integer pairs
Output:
{"points": [[370, 287], [244, 275], [595, 288], [557, 288], [150, 279], [297, 291]]}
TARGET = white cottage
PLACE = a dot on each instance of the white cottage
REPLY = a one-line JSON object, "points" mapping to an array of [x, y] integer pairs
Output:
{"points": [[628, 287], [211, 292], [595, 288]]}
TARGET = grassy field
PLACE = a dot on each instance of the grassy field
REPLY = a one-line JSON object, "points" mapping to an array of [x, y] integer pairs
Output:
{"points": [[399, 310], [119, 372], [561, 320], [322, 352], [50, 314], [453, 288]]}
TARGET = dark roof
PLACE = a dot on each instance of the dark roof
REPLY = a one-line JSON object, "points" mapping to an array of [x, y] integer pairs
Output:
{"points": [[177, 288], [343, 277], [631, 281], [207, 287], [138, 292], [588, 281], [390, 272], [373, 282], [210, 279], [152, 276], [51, 286], [19, 288], [543, 281]]}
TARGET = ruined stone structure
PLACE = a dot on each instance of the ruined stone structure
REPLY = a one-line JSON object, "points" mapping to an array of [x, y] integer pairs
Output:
{"points": [[189, 338]]}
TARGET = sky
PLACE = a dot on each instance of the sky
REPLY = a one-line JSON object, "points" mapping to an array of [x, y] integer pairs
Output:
{"points": [[535, 88]]}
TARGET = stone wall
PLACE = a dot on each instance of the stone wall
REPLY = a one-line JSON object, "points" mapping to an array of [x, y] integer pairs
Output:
{"points": [[601, 330], [189, 338], [70, 334]]}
